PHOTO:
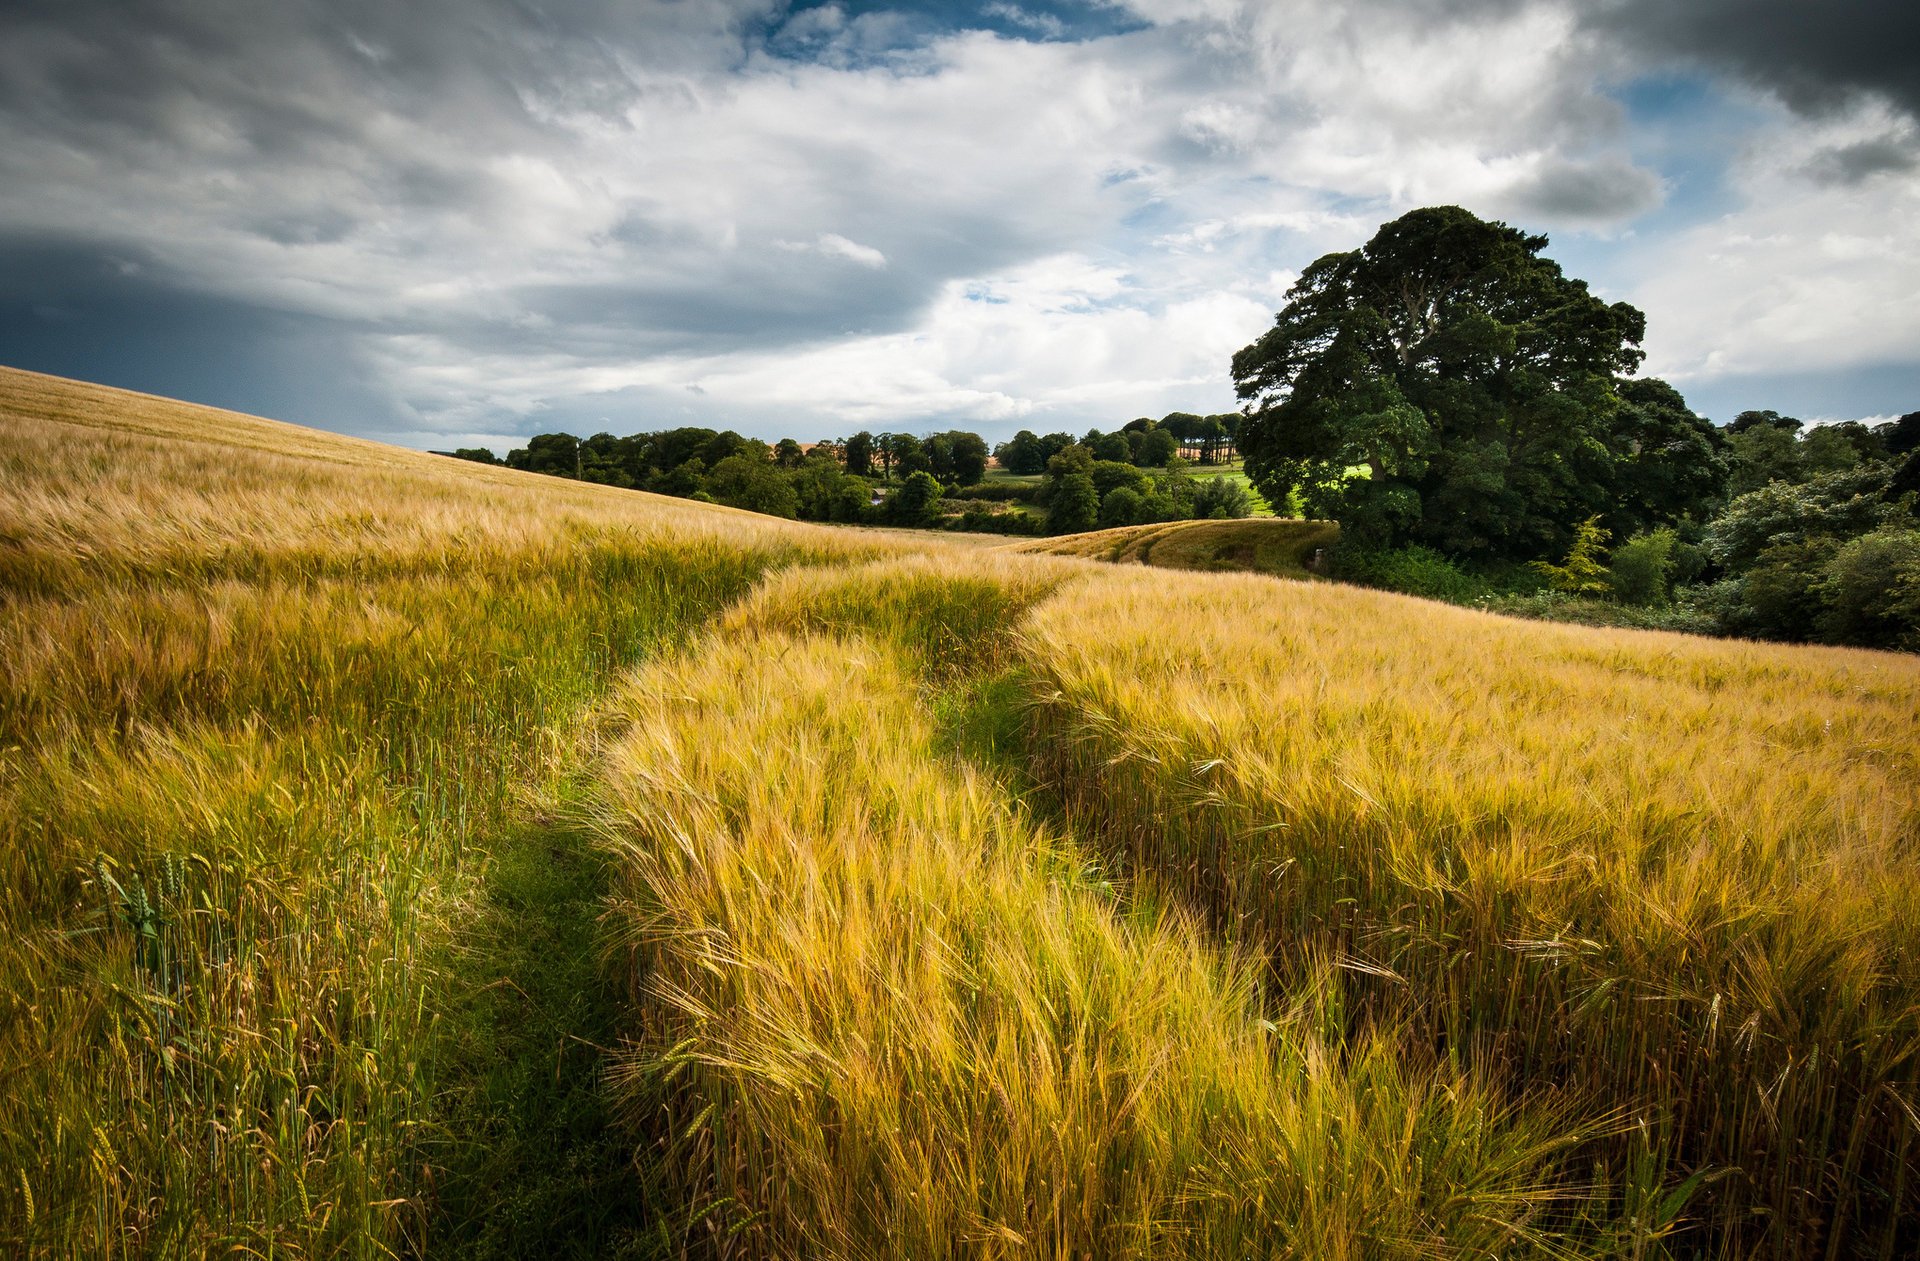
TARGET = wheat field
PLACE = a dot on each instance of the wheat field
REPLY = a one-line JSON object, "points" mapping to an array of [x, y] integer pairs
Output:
{"points": [[411, 858]]}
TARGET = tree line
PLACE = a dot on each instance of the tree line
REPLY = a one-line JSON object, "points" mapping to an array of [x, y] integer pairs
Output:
{"points": [[1134, 475], [1471, 417]]}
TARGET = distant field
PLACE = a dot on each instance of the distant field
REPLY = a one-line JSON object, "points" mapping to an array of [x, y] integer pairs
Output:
{"points": [[1235, 471], [1283, 549], [404, 857]]}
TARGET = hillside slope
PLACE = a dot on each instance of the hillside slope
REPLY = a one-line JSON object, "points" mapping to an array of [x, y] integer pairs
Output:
{"points": [[1282, 548], [404, 856]]}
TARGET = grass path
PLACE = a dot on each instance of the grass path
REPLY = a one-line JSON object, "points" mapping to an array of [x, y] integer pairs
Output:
{"points": [[535, 1163]]}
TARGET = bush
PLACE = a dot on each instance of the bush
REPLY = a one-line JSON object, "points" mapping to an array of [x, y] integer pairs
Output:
{"points": [[999, 492], [1221, 497], [1412, 570], [984, 521], [1583, 573], [1122, 506], [1871, 590], [1642, 568]]}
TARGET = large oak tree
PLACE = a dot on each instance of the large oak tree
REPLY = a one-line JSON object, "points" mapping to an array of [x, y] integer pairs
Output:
{"points": [[1446, 384]]}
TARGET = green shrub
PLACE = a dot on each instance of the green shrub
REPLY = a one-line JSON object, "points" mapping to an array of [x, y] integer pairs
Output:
{"points": [[1122, 506], [1221, 498], [1871, 590], [1411, 570], [1641, 569]]}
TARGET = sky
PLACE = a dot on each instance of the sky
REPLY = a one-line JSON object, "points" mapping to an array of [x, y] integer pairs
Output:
{"points": [[461, 222]]}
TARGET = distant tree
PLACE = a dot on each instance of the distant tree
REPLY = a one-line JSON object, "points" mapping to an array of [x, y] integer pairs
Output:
{"points": [[1109, 475], [787, 454], [1669, 464], [1870, 590], [603, 459], [1054, 443], [1111, 446], [1830, 448], [1022, 454], [727, 443], [479, 455], [684, 479], [1832, 506], [915, 502], [744, 481], [1121, 506], [1768, 419], [1156, 446], [1900, 437], [1640, 571], [669, 449], [860, 454], [825, 493], [1760, 454], [1471, 380], [1905, 482], [1212, 435], [969, 458], [1184, 427], [939, 449], [906, 455], [1074, 505], [556, 454]]}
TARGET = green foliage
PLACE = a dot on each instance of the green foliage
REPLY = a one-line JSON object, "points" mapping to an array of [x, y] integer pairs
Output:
{"points": [[743, 481], [1221, 498], [1410, 570], [1112, 446], [824, 493], [556, 454], [1870, 590], [1831, 506], [1640, 571], [1669, 464], [1157, 446], [1585, 571], [859, 454], [1110, 475], [1121, 506], [1075, 504], [915, 502], [1468, 376]]}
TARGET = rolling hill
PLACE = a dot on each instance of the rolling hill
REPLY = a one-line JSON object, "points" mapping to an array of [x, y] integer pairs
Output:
{"points": [[403, 856], [1282, 548]]}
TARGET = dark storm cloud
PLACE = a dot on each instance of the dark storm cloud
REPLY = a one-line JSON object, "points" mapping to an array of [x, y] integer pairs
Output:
{"points": [[70, 309], [1854, 163], [1815, 53]]}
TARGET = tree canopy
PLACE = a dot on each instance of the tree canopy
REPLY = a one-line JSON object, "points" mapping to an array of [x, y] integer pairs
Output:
{"points": [[1445, 384]]}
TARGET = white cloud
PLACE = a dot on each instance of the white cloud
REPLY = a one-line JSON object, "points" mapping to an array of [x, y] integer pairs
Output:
{"points": [[857, 221], [1807, 273], [833, 245]]}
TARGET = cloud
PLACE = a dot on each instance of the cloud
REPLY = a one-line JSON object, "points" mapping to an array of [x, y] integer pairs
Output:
{"points": [[1604, 191], [1815, 56], [1045, 24], [497, 216], [1809, 273], [833, 245]]}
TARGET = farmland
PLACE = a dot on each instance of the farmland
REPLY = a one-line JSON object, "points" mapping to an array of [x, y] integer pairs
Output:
{"points": [[406, 856]]}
